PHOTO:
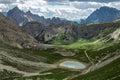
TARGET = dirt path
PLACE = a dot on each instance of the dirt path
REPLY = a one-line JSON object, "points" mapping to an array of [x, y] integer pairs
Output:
{"points": [[88, 57]]}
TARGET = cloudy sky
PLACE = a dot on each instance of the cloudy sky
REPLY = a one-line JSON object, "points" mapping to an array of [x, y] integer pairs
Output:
{"points": [[69, 9]]}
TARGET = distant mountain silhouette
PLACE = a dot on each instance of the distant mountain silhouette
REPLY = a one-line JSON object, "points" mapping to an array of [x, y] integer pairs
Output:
{"points": [[103, 14]]}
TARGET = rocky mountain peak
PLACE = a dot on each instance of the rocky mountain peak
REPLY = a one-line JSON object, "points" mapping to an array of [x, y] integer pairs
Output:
{"points": [[28, 12], [105, 8], [103, 14], [16, 9]]}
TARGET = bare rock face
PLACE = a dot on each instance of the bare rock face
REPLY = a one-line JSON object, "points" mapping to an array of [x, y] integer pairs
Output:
{"points": [[34, 28]]}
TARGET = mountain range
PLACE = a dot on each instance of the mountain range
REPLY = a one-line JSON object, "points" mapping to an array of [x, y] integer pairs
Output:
{"points": [[21, 18], [109, 14], [48, 30]]}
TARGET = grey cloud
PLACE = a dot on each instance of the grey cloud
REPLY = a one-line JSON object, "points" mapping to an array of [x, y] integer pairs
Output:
{"points": [[7, 1], [83, 0], [95, 0], [86, 5], [56, 0]]}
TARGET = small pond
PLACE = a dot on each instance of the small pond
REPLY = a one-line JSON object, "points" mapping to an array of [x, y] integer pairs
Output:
{"points": [[72, 64]]}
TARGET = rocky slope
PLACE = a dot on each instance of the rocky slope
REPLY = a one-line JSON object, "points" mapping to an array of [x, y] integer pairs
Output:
{"points": [[15, 57], [13, 35], [15, 62], [21, 18]]}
